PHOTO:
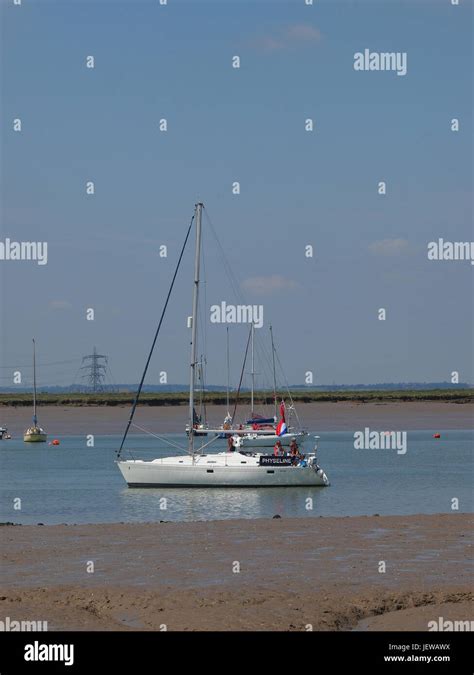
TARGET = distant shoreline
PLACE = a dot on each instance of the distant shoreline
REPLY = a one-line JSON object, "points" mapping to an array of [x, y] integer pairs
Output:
{"points": [[167, 399]]}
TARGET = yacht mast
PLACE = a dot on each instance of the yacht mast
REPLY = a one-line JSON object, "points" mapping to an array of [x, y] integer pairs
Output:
{"points": [[197, 261], [228, 370], [274, 373], [201, 386], [253, 370], [35, 421]]}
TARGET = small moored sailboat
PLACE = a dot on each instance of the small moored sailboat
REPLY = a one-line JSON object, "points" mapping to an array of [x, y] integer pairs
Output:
{"points": [[34, 434], [258, 431]]}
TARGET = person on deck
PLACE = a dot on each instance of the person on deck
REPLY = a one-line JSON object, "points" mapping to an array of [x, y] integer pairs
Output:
{"points": [[294, 452], [230, 444], [278, 449]]}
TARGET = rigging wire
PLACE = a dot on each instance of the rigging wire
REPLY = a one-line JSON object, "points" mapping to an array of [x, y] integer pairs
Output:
{"points": [[43, 365], [215, 438], [161, 438], [137, 396], [241, 375], [264, 356], [288, 389]]}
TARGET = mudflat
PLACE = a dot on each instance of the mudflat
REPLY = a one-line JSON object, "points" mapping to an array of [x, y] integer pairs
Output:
{"points": [[363, 573], [327, 416]]}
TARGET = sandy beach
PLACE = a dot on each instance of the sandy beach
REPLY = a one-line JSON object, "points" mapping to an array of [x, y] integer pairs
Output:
{"points": [[341, 416], [275, 574]]}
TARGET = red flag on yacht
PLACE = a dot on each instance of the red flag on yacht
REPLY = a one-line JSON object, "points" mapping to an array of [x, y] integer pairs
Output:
{"points": [[282, 410]]}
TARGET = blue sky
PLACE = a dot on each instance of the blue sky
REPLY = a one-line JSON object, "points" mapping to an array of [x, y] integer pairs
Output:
{"points": [[246, 125]]}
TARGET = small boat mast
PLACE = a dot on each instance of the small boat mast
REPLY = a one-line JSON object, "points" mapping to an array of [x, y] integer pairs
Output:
{"points": [[252, 367], [274, 376], [35, 419]]}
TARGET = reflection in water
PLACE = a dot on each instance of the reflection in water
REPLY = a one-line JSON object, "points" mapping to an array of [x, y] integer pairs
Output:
{"points": [[218, 503]]}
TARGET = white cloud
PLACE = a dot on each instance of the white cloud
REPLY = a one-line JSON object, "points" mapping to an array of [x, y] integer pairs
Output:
{"points": [[269, 284]]}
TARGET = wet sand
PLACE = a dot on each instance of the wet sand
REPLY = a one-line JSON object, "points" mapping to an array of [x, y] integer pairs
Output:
{"points": [[342, 416], [277, 574]]}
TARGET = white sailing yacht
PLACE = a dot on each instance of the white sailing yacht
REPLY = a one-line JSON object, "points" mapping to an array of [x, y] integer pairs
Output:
{"points": [[34, 434], [237, 468], [258, 431], [261, 432]]}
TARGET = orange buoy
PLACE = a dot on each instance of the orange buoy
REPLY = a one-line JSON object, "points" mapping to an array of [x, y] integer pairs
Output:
{"points": [[55, 442], [436, 435]]}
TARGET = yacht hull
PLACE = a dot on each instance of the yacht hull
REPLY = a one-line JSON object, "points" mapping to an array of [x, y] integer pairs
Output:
{"points": [[159, 473], [35, 438]]}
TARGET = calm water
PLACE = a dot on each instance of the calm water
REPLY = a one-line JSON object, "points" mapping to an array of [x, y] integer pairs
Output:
{"points": [[72, 483]]}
